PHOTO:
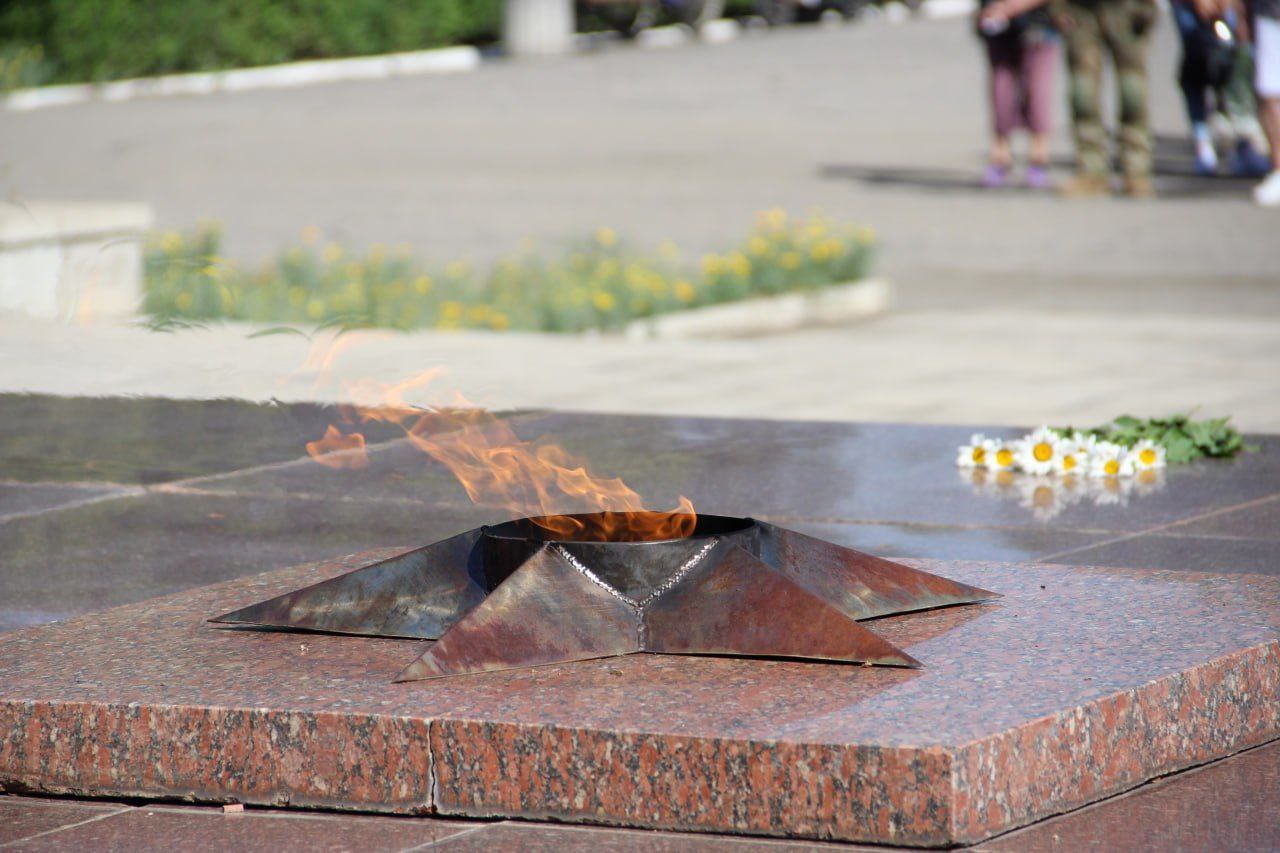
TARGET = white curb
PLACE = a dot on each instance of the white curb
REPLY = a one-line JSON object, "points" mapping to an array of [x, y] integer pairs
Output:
{"points": [[829, 306], [943, 9], [664, 37], [448, 60], [719, 31]]}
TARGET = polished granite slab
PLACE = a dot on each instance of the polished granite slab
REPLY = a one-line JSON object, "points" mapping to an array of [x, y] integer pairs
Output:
{"points": [[1078, 684], [247, 501], [152, 440]]}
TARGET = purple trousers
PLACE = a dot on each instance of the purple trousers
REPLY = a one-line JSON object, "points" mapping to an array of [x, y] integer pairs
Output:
{"points": [[1022, 83]]}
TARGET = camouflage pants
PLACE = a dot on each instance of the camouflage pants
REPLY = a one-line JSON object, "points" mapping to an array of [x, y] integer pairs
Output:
{"points": [[1121, 28]]}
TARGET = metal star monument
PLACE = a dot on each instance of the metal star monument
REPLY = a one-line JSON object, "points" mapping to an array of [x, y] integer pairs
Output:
{"points": [[509, 596]]}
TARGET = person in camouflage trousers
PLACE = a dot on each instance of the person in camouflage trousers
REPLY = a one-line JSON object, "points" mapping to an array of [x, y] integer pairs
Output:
{"points": [[1092, 28]]}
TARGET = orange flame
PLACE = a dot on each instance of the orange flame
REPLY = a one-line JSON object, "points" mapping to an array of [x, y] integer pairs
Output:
{"points": [[336, 450], [538, 478]]}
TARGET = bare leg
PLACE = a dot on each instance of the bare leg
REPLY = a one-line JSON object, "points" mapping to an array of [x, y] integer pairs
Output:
{"points": [[1269, 116], [1001, 152], [1039, 149]]}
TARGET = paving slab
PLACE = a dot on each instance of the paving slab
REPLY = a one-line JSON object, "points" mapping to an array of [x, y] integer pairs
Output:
{"points": [[163, 828], [869, 472], [540, 838], [1195, 553], [24, 817], [1228, 805], [1080, 683], [77, 560], [30, 498], [151, 440]]}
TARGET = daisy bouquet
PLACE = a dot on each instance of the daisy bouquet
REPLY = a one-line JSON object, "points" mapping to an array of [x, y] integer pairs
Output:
{"points": [[1126, 447], [1046, 452]]}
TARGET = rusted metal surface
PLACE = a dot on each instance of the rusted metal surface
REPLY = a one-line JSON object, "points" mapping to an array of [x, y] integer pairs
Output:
{"points": [[417, 595], [548, 612], [505, 597], [862, 585], [736, 605]]}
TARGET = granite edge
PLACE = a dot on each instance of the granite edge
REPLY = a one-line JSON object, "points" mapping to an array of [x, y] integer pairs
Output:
{"points": [[1128, 738]]}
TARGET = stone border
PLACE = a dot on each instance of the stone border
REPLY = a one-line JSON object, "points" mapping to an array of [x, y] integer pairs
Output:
{"points": [[448, 60], [830, 306]]}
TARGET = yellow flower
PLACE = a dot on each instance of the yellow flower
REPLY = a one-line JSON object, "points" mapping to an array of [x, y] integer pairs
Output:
{"points": [[422, 284], [499, 321], [332, 253], [603, 300], [739, 264], [684, 291], [315, 309], [817, 228], [451, 311], [477, 313], [790, 260], [171, 242], [758, 245], [775, 219], [183, 301], [297, 296], [712, 264], [311, 235], [606, 236], [636, 276]]}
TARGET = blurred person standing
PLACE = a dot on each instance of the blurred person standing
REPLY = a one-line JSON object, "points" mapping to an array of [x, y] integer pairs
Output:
{"points": [[1022, 53], [1121, 28], [1214, 63], [1266, 58]]}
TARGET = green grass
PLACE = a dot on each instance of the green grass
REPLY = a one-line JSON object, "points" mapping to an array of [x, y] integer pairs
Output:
{"points": [[598, 283]]}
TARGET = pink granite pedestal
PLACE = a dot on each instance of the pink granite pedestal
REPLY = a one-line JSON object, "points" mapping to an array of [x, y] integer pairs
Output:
{"points": [[1078, 684]]}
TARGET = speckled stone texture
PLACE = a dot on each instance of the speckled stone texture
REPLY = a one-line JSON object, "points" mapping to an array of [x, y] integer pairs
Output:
{"points": [[1080, 683]]}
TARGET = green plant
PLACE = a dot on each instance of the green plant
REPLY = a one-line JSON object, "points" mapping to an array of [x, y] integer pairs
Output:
{"points": [[22, 66], [597, 283], [1184, 440], [94, 40]]}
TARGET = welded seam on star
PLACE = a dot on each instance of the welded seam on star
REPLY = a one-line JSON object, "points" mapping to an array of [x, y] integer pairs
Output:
{"points": [[594, 578], [680, 573]]}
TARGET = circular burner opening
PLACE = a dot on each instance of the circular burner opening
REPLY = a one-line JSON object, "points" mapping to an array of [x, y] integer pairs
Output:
{"points": [[587, 527]]}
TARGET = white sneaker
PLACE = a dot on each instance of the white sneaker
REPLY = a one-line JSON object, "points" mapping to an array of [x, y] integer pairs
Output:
{"points": [[1267, 193]]}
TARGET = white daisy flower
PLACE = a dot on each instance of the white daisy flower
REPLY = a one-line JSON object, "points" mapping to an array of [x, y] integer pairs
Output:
{"points": [[1038, 452], [1084, 442], [1110, 460], [974, 454], [1070, 459], [1146, 454], [1002, 456]]}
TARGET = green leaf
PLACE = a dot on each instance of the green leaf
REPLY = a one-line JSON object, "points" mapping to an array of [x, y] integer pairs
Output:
{"points": [[277, 330]]}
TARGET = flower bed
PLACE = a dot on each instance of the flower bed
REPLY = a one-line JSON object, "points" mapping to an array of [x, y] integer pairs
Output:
{"points": [[597, 284]]}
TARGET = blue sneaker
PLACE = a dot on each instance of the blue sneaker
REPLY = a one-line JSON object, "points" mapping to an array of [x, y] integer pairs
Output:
{"points": [[1249, 162]]}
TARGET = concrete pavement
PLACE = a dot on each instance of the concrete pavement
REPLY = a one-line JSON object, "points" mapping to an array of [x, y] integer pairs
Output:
{"points": [[1012, 307]]}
